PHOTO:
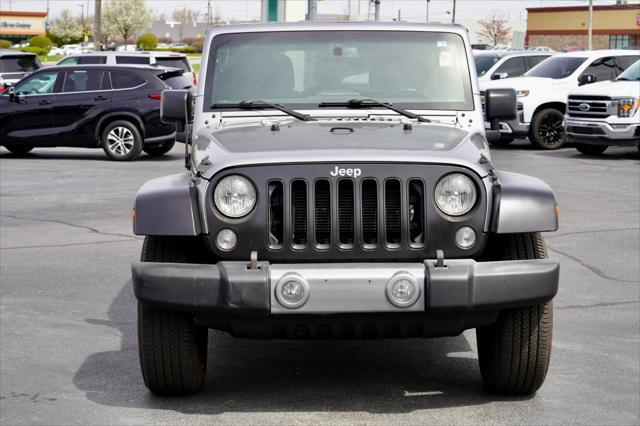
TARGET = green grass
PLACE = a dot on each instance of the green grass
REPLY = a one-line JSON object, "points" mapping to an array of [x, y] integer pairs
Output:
{"points": [[194, 55], [49, 58]]}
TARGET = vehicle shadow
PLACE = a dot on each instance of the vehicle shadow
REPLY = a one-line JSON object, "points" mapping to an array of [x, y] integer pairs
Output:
{"points": [[80, 154], [382, 376]]}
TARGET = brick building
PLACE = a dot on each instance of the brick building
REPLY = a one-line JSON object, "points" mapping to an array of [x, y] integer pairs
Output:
{"points": [[613, 26]]}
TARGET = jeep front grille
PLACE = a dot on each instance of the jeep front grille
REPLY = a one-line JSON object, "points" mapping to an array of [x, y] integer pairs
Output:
{"points": [[347, 212], [591, 107]]}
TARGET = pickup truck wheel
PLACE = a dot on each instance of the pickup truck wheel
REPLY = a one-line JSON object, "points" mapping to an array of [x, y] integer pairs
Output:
{"points": [[19, 149], [546, 129], [121, 141], [514, 352], [503, 141], [157, 150], [591, 149], [172, 348]]}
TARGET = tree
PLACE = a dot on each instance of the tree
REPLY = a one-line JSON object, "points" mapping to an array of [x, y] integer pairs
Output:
{"points": [[147, 41], [494, 30], [185, 15], [125, 18], [66, 27]]}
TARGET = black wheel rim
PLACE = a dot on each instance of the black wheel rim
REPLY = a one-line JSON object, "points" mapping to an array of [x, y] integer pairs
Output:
{"points": [[550, 130]]}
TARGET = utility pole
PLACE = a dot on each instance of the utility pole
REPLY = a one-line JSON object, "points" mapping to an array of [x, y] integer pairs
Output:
{"points": [[84, 33], [453, 15], [97, 25], [208, 13], [376, 4], [312, 10], [590, 24], [428, 1]]}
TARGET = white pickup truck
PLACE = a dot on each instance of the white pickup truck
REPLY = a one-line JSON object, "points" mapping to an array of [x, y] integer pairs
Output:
{"points": [[604, 114]]}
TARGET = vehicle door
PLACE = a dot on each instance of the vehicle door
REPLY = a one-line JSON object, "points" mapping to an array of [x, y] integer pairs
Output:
{"points": [[603, 69], [624, 62], [512, 67], [532, 61], [85, 96], [26, 111], [124, 83]]}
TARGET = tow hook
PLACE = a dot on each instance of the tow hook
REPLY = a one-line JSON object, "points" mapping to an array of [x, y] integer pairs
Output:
{"points": [[253, 260], [440, 259]]}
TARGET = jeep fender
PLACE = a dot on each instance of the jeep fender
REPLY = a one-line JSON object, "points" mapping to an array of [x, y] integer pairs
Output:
{"points": [[167, 206], [522, 204]]}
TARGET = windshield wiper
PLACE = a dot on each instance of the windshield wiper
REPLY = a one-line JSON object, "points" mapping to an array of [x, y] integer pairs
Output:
{"points": [[263, 104], [364, 103]]}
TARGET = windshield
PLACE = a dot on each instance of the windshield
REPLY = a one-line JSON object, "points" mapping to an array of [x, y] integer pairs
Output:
{"points": [[632, 73], [19, 63], [484, 63], [556, 67], [176, 62], [419, 70]]}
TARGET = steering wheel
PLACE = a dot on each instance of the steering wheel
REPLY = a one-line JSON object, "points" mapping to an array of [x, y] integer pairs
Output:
{"points": [[409, 90]]}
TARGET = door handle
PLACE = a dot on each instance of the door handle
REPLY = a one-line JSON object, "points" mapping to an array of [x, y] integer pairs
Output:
{"points": [[100, 98], [44, 102]]}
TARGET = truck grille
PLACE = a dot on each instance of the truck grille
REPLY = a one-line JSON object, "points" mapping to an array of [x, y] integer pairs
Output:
{"points": [[346, 213], [582, 106]]}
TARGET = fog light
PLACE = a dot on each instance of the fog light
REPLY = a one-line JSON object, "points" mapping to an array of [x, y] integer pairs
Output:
{"points": [[292, 291], [226, 240], [402, 290], [465, 237]]}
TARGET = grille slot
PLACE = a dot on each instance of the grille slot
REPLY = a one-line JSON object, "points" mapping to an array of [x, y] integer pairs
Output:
{"points": [[276, 214], [323, 213], [299, 213], [598, 106], [416, 213], [346, 213], [369, 213], [392, 212]]}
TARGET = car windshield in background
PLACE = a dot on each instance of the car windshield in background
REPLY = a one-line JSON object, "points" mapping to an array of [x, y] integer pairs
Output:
{"points": [[177, 62], [19, 63], [558, 67], [484, 63], [418, 70], [632, 73]]}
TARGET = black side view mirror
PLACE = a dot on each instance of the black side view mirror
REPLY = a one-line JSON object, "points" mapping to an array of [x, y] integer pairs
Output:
{"points": [[500, 104], [11, 91], [499, 76], [176, 107], [587, 79]]}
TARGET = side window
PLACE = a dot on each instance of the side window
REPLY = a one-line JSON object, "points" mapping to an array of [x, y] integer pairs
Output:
{"points": [[84, 81], [603, 69], [69, 61], [532, 61], [38, 84], [625, 62], [513, 67], [123, 80], [125, 59], [88, 60]]}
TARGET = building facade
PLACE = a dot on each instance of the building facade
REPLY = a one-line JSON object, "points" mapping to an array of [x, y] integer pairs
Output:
{"points": [[17, 26], [613, 26]]}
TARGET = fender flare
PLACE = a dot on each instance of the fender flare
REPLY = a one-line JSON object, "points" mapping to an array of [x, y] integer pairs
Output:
{"points": [[119, 114], [167, 206], [522, 203]]}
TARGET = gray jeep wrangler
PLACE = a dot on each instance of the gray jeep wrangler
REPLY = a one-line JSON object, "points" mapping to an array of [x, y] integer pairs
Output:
{"points": [[340, 185]]}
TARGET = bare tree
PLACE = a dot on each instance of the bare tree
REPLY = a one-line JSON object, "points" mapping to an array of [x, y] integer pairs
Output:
{"points": [[126, 18], [66, 27], [185, 15], [495, 30]]}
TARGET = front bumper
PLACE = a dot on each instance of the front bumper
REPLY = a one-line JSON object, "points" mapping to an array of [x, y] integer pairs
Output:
{"points": [[459, 287], [602, 132]]}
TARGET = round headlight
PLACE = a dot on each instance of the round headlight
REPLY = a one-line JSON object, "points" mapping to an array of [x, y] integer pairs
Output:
{"points": [[234, 196], [455, 194]]}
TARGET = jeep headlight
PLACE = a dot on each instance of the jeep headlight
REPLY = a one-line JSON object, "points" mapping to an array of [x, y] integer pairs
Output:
{"points": [[627, 106], [234, 196], [455, 194]]}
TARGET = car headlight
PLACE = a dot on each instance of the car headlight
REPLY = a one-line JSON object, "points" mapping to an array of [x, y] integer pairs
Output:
{"points": [[234, 196], [522, 93], [627, 106], [455, 194]]}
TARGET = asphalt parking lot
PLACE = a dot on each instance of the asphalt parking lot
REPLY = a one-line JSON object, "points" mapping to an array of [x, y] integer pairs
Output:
{"points": [[68, 351]]}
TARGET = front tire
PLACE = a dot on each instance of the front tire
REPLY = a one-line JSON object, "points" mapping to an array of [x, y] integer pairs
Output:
{"points": [[591, 149], [121, 141], [514, 352], [159, 149], [171, 346], [19, 150], [546, 129]]}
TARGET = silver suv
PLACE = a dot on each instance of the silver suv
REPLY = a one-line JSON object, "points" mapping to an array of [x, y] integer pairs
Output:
{"points": [[339, 185]]}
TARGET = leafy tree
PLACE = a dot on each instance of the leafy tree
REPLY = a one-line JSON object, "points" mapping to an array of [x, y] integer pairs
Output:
{"points": [[66, 27], [185, 15], [147, 41], [125, 18], [495, 30]]}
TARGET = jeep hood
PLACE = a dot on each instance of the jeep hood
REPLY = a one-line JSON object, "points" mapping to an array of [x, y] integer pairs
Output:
{"points": [[336, 142]]}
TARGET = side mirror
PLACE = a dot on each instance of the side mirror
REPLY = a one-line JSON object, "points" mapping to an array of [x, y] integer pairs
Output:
{"points": [[500, 104], [176, 107], [11, 91], [499, 76], [587, 79]]}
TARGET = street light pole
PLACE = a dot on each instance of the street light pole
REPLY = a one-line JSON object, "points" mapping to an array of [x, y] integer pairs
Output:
{"points": [[82, 17], [428, 1], [312, 10], [590, 36], [453, 15], [376, 4]]}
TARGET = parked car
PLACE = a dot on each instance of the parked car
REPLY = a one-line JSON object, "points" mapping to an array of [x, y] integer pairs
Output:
{"points": [[20, 45], [116, 108], [542, 92], [15, 65], [72, 49], [56, 51], [127, 48], [605, 114], [540, 49], [480, 46], [496, 65], [336, 207], [166, 59]]}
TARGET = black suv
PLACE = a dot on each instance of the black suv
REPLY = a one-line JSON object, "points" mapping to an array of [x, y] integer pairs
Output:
{"points": [[113, 107]]}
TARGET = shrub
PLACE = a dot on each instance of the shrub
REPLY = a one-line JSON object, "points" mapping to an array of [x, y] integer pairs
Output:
{"points": [[37, 50], [5, 44], [188, 49], [198, 45], [41, 42], [147, 42]]}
